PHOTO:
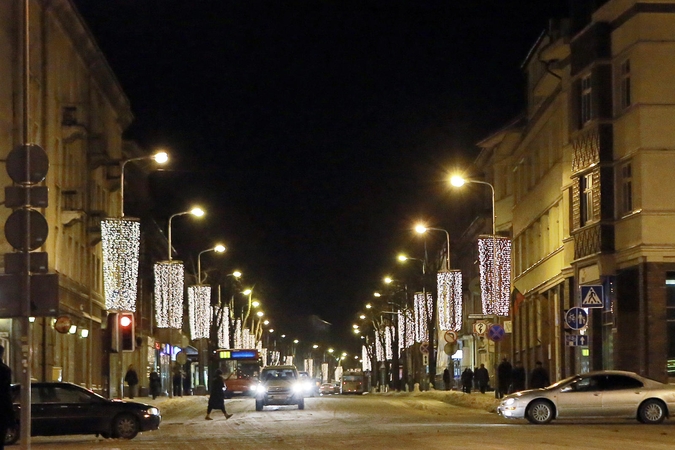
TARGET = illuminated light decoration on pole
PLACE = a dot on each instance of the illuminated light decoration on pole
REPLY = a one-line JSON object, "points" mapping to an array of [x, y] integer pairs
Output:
{"points": [[237, 334], [389, 343], [224, 329], [120, 240], [199, 311], [406, 330], [422, 316], [169, 279], [450, 300], [494, 256], [365, 359]]}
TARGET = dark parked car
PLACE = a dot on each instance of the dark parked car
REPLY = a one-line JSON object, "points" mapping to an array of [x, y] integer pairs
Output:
{"points": [[66, 408]]}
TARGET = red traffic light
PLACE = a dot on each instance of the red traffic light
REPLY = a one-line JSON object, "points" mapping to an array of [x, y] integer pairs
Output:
{"points": [[125, 321]]}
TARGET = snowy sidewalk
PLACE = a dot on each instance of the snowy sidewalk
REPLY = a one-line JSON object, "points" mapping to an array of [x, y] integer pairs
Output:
{"points": [[475, 400]]}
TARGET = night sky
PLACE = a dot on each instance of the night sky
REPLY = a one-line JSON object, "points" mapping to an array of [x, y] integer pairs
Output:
{"points": [[315, 133]]}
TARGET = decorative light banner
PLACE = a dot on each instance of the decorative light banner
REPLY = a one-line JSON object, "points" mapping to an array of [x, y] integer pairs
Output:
{"points": [[222, 315], [120, 239], [247, 339], [365, 359], [237, 334], [406, 329], [494, 253], [423, 314], [169, 284], [199, 311], [450, 300], [389, 342], [379, 348]]}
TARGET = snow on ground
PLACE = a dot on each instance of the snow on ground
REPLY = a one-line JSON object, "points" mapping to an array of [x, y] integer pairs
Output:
{"points": [[475, 400]]}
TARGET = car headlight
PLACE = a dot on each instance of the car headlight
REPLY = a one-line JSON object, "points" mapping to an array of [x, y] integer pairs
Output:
{"points": [[153, 411], [297, 387], [260, 389], [509, 401]]}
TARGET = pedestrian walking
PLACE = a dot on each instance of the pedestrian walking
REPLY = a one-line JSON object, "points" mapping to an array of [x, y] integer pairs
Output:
{"points": [[446, 379], [6, 407], [503, 378], [177, 381], [132, 380], [475, 380], [217, 397], [539, 377], [517, 378], [467, 380], [483, 378], [155, 384]]}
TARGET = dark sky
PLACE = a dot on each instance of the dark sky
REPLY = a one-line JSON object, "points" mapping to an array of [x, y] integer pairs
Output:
{"points": [[315, 132]]}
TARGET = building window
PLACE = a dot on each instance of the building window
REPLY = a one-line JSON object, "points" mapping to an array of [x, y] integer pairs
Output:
{"points": [[625, 84], [626, 188], [585, 101], [586, 200], [670, 322]]}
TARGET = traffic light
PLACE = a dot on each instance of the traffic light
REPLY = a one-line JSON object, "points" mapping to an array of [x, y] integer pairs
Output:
{"points": [[122, 332]]}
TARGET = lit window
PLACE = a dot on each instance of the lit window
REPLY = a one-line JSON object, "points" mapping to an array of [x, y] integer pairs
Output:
{"points": [[586, 200], [626, 188]]}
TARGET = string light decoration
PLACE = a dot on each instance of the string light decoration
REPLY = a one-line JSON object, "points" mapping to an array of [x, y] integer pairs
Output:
{"points": [[494, 256], [120, 240], [224, 329], [379, 348], [450, 300], [169, 283], [406, 329], [422, 316], [365, 359], [389, 342], [199, 310], [237, 334]]}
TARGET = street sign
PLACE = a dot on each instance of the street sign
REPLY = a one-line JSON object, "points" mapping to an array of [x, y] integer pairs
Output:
{"points": [[576, 318], [480, 328], [508, 326], [496, 332], [425, 359], [576, 340], [592, 296], [450, 337], [424, 348], [478, 316], [449, 349]]}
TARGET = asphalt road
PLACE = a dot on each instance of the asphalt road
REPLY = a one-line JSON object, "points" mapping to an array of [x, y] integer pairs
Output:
{"points": [[369, 421]]}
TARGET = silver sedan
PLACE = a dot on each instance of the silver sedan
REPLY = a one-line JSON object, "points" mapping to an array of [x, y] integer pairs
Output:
{"points": [[604, 394]]}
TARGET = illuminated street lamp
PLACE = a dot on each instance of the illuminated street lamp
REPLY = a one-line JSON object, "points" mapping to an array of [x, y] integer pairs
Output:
{"points": [[218, 249], [197, 212], [458, 181], [159, 157]]}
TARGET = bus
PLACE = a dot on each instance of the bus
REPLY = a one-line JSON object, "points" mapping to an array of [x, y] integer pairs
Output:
{"points": [[241, 369], [353, 382]]}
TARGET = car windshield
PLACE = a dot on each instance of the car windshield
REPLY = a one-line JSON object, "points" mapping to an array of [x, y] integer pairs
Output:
{"points": [[278, 374], [564, 381]]}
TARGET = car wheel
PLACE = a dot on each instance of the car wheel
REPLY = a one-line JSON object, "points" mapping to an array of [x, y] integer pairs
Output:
{"points": [[259, 404], [125, 426], [301, 403], [12, 435], [652, 411], [539, 412]]}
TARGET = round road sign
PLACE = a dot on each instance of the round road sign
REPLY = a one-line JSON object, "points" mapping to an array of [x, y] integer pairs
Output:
{"points": [[16, 164], [496, 332], [450, 337], [424, 348], [63, 324]]}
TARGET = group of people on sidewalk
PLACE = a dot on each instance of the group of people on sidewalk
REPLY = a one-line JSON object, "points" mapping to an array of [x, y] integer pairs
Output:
{"points": [[509, 378]]}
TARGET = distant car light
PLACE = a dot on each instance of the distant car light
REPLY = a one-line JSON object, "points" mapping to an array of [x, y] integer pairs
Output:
{"points": [[298, 387], [153, 411]]}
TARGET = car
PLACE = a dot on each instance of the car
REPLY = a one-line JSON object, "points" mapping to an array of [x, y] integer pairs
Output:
{"points": [[239, 385], [279, 385], [64, 408], [605, 394], [329, 388]]}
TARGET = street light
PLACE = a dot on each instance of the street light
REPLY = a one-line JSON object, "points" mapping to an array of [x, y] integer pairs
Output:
{"points": [[159, 157], [458, 181], [218, 249], [197, 212], [421, 229]]}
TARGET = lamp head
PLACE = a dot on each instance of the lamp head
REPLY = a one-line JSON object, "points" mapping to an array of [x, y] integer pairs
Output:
{"points": [[260, 314], [457, 181], [295, 341], [362, 316], [236, 274], [377, 294], [219, 249], [368, 306], [402, 258], [388, 280], [421, 229], [247, 292], [255, 303], [160, 157], [197, 212]]}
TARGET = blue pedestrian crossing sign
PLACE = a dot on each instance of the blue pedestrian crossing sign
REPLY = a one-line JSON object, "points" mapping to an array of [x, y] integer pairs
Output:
{"points": [[576, 318], [591, 296]]}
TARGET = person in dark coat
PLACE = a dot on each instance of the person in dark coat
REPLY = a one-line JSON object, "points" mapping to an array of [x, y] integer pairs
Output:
{"points": [[177, 380], [6, 407], [132, 380], [517, 378], [539, 377], [467, 380], [217, 397], [446, 379], [482, 377], [155, 384], [503, 378]]}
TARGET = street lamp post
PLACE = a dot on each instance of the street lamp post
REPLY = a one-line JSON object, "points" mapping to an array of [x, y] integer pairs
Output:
{"points": [[197, 212], [218, 249], [160, 158]]}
